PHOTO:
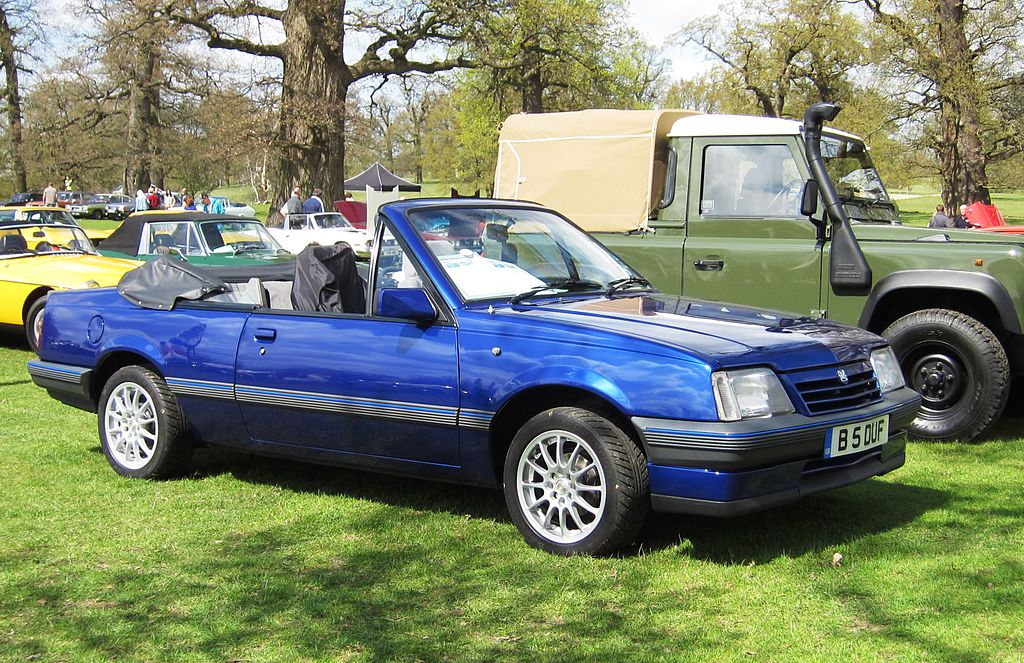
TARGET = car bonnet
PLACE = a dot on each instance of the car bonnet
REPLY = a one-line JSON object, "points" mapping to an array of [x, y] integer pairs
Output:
{"points": [[719, 333]]}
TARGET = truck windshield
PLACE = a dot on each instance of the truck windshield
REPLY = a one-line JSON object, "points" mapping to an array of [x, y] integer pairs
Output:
{"points": [[849, 165]]}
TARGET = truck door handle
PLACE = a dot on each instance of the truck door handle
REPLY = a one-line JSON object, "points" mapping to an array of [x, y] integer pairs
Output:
{"points": [[709, 265], [264, 334]]}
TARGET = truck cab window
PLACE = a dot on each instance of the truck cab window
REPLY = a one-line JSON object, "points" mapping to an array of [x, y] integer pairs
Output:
{"points": [[750, 181]]}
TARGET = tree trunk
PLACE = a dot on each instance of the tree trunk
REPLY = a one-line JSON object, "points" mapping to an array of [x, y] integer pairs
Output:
{"points": [[962, 156], [12, 97], [533, 82], [315, 86], [143, 122]]}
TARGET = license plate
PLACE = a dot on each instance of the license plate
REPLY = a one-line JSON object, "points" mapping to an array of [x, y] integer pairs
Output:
{"points": [[851, 438]]}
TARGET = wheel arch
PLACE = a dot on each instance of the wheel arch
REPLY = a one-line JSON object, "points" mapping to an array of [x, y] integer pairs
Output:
{"points": [[32, 298], [113, 362], [531, 401], [980, 296]]}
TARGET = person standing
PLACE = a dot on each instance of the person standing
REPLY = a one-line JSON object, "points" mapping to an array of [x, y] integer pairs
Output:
{"points": [[169, 200], [49, 195], [940, 220], [141, 202], [314, 203], [153, 198], [294, 204]]}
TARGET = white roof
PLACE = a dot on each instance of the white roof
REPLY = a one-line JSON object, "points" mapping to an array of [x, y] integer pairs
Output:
{"points": [[742, 125]]}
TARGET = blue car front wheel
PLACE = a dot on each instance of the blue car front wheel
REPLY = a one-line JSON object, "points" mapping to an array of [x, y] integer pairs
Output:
{"points": [[575, 483]]}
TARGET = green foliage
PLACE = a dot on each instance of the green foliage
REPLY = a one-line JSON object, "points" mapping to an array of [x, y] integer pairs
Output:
{"points": [[775, 60], [264, 560]]}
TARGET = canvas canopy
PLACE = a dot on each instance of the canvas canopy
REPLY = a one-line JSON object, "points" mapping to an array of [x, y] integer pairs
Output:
{"points": [[604, 169], [379, 178]]}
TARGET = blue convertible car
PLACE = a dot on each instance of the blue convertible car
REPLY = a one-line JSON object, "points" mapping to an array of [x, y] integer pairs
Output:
{"points": [[490, 343]]}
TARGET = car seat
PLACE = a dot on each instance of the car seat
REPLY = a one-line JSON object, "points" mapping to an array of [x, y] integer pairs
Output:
{"points": [[327, 280], [13, 244]]}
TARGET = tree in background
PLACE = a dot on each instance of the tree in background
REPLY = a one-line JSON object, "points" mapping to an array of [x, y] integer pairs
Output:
{"points": [[779, 58], [960, 62], [316, 79], [17, 34]]}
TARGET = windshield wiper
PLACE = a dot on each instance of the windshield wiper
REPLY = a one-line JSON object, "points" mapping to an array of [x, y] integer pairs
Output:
{"points": [[622, 284], [572, 285]]}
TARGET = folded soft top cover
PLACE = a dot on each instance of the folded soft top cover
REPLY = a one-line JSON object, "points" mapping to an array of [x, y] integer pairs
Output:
{"points": [[160, 283]]}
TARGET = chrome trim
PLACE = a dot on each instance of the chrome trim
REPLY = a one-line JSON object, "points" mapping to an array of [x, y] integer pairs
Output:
{"points": [[203, 388]]}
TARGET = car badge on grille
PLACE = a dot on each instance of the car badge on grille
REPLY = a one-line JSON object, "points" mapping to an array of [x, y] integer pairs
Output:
{"points": [[841, 374]]}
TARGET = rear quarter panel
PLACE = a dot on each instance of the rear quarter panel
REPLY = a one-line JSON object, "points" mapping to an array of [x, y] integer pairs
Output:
{"points": [[89, 328]]}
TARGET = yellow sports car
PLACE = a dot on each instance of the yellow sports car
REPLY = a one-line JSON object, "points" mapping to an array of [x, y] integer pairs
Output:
{"points": [[38, 258], [40, 214]]}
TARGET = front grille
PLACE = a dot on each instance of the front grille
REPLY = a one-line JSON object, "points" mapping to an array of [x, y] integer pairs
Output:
{"points": [[824, 391]]}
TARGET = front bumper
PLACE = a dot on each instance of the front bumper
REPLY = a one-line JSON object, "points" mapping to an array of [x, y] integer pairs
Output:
{"points": [[726, 469]]}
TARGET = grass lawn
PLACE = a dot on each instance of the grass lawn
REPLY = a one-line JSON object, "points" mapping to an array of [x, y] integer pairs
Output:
{"points": [[264, 560]]}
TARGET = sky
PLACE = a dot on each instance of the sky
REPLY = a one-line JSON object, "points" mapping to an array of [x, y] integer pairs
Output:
{"points": [[658, 20]]}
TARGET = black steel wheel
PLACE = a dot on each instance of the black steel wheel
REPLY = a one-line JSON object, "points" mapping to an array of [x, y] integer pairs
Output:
{"points": [[958, 366]]}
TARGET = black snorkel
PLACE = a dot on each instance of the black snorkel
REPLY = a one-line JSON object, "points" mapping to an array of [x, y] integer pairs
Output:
{"points": [[849, 272]]}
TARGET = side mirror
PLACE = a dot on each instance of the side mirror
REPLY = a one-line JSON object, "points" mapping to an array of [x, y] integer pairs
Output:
{"points": [[809, 199], [406, 303]]}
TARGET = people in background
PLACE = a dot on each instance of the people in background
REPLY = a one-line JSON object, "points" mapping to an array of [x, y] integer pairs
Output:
{"points": [[212, 205], [141, 202], [153, 198], [169, 199], [940, 220], [314, 203], [960, 220], [294, 204], [50, 195]]}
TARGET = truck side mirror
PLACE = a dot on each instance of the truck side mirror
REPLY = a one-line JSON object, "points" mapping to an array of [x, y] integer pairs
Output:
{"points": [[809, 200]]}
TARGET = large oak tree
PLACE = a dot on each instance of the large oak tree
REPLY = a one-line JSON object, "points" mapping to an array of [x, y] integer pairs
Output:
{"points": [[958, 59], [403, 37]]}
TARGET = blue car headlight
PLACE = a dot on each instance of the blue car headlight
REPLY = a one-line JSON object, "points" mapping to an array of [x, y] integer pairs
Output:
{"points": [[752, 392], [887, 369]]}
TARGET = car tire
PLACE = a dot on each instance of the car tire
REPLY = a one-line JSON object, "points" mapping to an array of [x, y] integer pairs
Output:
{"points": [[34, 323], [575, 483], [958, 366], [142, 430]]}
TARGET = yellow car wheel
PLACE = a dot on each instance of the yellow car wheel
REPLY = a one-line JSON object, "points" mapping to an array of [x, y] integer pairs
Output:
{"points": [[34, 323]]}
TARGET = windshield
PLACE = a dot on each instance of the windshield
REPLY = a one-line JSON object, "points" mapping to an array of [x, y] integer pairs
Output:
{"points": [[849, 165], [39, 239], [238, 236], [504, 253], [332, 221], [99, 198]]}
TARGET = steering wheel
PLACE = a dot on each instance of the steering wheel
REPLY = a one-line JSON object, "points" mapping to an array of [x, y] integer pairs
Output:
{"points": [[44, 246], [782, 199]]}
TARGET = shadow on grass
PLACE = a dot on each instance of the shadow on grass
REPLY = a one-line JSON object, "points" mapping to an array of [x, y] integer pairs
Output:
{"points": [[819, 522], [815, 524]]}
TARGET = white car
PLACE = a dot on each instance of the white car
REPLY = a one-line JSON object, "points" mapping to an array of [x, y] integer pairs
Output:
{"points": [[324, 228], [235, 209]]}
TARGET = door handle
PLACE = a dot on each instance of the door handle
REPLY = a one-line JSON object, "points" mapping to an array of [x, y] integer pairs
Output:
{"points": [[264, 334], [709, 265]]}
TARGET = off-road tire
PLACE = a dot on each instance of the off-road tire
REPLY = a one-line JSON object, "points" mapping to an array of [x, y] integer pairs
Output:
{"points": [[623, 467], [172, 452], [958, 366]]}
